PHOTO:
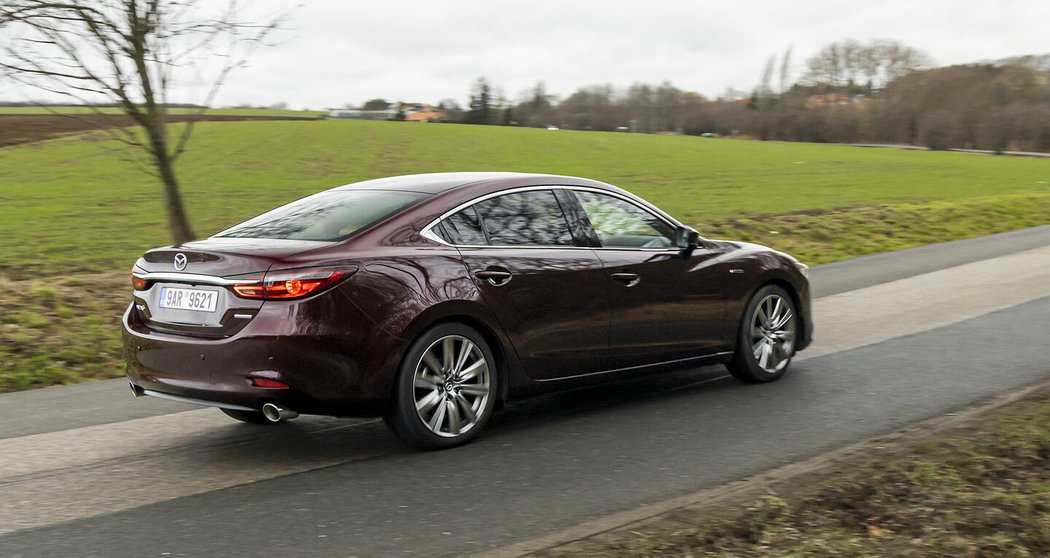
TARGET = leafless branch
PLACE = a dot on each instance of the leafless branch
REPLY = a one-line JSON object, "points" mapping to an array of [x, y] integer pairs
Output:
{"points": [[126, 52]]}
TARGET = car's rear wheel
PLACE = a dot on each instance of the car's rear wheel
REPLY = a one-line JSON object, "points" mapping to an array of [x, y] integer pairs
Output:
{"points": [[251, 417], [446, 388], [766, 340]]}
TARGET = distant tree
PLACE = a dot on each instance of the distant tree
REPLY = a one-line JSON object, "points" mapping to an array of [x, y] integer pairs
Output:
{"points": [[668, 108], [376, 104], [785, 70], [897, 59], [480, 111], [997, 128], [754, 100], [940, 129], [592, 108], [845, 64], [535, 107], [765, 87], [640, 106], [126, 54], [453, 112]]}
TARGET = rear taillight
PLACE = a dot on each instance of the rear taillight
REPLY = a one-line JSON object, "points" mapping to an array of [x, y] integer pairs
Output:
{"points": [[138, 283], [293, 283]]}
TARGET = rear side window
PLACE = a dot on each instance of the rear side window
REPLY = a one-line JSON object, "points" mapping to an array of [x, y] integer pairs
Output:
{"points": [[463, 228], [525, 218], [332, 215]]}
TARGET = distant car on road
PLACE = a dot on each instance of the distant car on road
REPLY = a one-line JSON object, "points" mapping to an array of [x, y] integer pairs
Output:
{"points": [[430, 299]]}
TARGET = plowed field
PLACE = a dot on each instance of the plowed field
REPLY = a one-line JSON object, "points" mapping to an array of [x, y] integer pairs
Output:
{"points": [[16, 129]]}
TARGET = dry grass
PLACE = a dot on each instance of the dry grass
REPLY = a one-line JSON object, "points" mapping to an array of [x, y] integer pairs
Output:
{"points": [[979, 490], [61, 330]]}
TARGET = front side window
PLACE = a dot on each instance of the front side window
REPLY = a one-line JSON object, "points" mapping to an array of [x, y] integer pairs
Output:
{"points": [[532, 218], [621, 224], [330, 216]]}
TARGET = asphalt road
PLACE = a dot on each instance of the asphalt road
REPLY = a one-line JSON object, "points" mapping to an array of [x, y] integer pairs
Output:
{"points": [[88, 471]]}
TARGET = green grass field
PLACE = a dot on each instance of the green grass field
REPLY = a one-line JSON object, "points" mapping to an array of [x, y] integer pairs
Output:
{"points": [[70, 203], [216, 111], [74, 216]]}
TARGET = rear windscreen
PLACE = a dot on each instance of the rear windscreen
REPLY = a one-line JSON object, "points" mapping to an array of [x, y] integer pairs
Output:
{"points": [[332, 215]]}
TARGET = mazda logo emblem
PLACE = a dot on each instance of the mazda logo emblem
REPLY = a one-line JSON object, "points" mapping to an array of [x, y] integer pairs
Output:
{"points": [[180, 261]]}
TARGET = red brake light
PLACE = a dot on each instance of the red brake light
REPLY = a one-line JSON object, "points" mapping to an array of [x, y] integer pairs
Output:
{"points": [[293, 283], [138, 283]]}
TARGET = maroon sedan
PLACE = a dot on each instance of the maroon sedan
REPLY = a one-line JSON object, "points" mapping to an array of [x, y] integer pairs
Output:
{"points": [[430, 299]]}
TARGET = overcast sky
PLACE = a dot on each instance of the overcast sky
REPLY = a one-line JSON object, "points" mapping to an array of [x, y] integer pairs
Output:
{"points": [[336, 52]]}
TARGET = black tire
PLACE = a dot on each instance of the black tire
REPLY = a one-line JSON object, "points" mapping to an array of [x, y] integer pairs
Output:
{"points": [[447, 397], [251, 417], [774, 342]]}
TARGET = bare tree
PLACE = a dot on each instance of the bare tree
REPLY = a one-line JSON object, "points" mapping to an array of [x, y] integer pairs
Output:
{"points": [[898, 59], [879, 61], [125, 53], [765, 87], [785, 70]]}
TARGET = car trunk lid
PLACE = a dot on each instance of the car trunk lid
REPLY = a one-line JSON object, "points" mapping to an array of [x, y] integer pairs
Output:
{"points": [[187, 288]]}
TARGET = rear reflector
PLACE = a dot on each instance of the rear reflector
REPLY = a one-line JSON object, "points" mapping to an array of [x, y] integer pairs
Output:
{"points": [[268, 383]]}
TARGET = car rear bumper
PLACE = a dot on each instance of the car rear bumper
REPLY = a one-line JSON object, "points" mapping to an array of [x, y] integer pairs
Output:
{"points": [[322, 375]]}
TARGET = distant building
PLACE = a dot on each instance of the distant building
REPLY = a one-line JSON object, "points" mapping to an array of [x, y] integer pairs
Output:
{"points": [[833, 99], [413, 112], [425, 113], [361, 114]]}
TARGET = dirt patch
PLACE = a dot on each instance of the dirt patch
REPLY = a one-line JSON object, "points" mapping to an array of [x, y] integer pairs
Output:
{"points": [[18, 129]]}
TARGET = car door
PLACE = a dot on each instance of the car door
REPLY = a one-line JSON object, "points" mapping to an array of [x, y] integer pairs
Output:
{"points": [[663, 306], [548, 294]]}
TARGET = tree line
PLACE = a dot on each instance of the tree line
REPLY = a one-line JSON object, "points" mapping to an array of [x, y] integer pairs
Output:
{"points": [[851, 92]]}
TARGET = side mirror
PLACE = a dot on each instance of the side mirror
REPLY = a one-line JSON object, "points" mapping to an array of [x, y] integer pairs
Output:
{"points": [[686, 239]]}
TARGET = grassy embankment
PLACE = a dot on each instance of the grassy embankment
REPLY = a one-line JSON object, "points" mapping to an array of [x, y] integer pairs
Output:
{"points": [[73, 216], [981, 489]]}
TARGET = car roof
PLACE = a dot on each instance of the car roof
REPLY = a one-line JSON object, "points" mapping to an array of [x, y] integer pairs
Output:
{"points": [[436, 183]]}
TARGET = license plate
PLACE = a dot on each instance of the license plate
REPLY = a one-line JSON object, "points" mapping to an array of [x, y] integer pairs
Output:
{"points": [[188, 299]]}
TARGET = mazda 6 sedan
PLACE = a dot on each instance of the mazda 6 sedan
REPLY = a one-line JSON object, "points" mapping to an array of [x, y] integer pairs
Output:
{"points": [[431, 299]]}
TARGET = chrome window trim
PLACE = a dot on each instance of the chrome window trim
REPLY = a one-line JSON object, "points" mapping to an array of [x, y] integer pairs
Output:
{"points": [[193, 278], [428, 231]]}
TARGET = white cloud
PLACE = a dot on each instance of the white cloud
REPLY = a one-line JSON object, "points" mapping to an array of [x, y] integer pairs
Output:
{"points": [[338, 52]]}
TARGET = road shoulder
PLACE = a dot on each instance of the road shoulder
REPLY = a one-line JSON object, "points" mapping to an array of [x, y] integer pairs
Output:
{"points": [[632, 532]]}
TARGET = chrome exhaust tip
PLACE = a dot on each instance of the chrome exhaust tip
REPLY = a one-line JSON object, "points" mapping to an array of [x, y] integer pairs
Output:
{"points": [[276, 413]]}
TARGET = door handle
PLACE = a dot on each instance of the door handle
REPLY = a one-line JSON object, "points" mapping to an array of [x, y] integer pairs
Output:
{"points": [[628, 279], [494, 277]]}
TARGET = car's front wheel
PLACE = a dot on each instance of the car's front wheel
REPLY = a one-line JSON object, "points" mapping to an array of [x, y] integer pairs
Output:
{"points": [[446, 388], [766, 340]]}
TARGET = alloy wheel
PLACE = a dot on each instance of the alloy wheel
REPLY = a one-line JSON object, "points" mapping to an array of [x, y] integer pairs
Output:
{"points": [[773, 333], [451, 386]]}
